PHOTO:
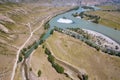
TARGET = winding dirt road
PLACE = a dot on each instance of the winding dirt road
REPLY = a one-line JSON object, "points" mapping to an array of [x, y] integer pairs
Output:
{"points": [[18, 52]]}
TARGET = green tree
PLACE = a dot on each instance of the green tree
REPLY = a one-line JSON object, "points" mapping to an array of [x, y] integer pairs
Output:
{"points": [[58, 68], [36, 46], [20, 58], [51, 32], [51, 59], [47, 51]]}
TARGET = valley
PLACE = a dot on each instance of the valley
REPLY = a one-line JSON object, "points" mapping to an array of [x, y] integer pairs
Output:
{"points": [[44, 40]]}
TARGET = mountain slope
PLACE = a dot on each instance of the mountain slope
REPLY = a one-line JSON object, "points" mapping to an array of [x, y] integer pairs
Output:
{"points": [[84, 2]]}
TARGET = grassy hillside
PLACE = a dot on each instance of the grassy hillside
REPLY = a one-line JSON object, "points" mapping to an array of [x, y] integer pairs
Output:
{"points": [[47, 71], [98, 65], [109, 16], [16, 23]]}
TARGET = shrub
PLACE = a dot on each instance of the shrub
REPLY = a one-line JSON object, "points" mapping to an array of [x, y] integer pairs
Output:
{"points": [[42, 35], [39, 73], [85, 77], [47, 51], [24, 49], [23, 52], [29, 47], [51, 59], [30, 69], [20, 58], [36, 46], [118, 54], [42, 41], [47, 25], [43, 46], [51, 32], [58, 68]]}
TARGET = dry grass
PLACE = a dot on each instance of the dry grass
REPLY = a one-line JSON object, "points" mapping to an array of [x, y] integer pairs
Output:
{"points": [[110, 19], [21, 14], [98, 65], [39, 62]]}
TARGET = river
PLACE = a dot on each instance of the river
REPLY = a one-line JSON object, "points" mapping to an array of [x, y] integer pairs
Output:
{"points": [[78, 23]]}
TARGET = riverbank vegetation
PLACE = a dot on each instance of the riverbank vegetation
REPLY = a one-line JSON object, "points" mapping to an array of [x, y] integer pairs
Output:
{"points": [[47, 25], [51, 59], [93, 41], [85, 16], [91, 61], [109, 16], [88, 7]]}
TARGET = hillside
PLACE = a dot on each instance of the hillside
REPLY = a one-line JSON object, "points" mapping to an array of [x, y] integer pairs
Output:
{"points": [[20, 23], [98, 65], [66, 2], [23, 56]]}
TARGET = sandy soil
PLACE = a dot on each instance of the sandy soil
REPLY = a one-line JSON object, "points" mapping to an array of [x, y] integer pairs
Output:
{"points": [[107, 41]]}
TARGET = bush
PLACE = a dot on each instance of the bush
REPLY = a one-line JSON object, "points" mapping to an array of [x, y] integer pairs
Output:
{"points": [[39, 73], [97, 48], [51, 32], [47, 25], [47, 51], [118, 54], [58, 68], [42, 41], [20, 58], [43, 46], [42, 35], [24, 49], [85, 77], [30, 69], [36, 46], [23, 52], [51, 59], [29, 47]]}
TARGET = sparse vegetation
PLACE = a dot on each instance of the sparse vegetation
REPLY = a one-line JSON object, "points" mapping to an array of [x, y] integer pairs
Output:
{"points": [[42, 35], [92, 18], [109, 16], [51, 59], [20, 58], [30, 69], [15, 19], [85, 77], [58, 68], [39, 73], [87, 57], [88, 7], [47, 25], [51, 32]]}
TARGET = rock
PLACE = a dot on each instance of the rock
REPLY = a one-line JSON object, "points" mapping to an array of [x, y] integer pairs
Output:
{"points": [[3, 28], [6, 19]]}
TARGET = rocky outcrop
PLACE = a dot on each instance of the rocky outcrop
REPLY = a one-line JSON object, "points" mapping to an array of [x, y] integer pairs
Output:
{"points": [[6, 19], [3, 28]]}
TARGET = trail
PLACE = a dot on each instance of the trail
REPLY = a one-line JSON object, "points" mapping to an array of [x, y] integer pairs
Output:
{"points": [[18, 52], [70, 68]]}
